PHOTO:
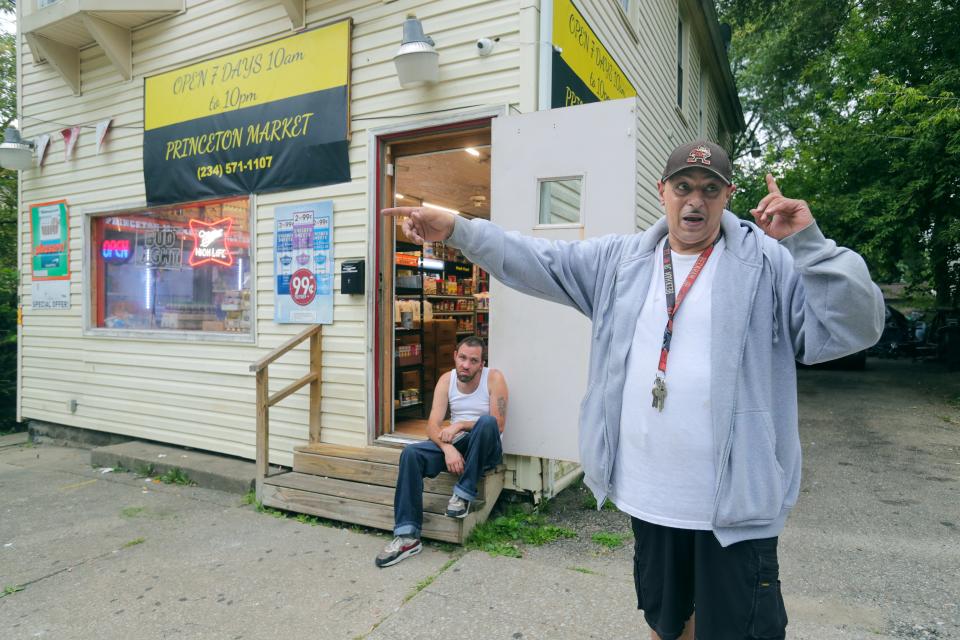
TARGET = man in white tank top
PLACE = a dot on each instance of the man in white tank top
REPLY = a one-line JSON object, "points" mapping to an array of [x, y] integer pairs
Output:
{"points": [[470, 445]]}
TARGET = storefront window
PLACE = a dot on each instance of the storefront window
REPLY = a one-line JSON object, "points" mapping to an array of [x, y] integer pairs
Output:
{"points": [[177, 268]]}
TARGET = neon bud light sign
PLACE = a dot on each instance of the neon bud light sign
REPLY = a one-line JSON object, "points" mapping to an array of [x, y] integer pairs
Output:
{"points": [[115, 251]]}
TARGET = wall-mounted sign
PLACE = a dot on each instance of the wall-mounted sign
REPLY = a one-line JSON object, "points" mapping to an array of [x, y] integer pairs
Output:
{"points": [[583, 69], [50, 295], [49, 238], [210, 242], [263, 119], [303, 263], [115, 251]]}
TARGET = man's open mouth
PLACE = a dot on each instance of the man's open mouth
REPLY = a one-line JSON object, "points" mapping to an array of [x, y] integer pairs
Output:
{"points": [[694, 218]]}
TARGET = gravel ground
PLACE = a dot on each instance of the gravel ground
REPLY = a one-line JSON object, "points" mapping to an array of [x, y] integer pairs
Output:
{"points": [[873, 546]]}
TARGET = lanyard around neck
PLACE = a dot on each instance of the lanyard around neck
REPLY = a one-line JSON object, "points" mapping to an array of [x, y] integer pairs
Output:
{"points": [[674, 299]]}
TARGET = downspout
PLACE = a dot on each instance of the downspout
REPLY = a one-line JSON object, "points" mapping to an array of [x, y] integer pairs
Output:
{"points": [[19, 401], [545, 48]]}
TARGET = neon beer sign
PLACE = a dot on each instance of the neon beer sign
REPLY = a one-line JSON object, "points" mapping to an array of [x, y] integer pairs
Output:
{"points": [[210, 242]]}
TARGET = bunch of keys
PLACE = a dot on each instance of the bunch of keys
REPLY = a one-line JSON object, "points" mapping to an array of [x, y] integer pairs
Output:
{"points": [[659, 393]]}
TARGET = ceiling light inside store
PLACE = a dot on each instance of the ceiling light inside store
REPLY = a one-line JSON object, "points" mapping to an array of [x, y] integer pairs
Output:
{"points": [[436, 206], [472, 152], [401, 196]]}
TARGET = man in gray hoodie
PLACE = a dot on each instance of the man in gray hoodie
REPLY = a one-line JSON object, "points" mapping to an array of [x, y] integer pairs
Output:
{"points": [[689, 422]]}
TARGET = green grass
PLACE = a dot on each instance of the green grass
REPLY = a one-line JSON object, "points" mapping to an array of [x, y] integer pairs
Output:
{"points": [[426, 582], [583, 570], [134, 542], [609, 540], [590, 502], [176, 475], [144, 470], [131, 512], [502, 536], [250, 497], [9, 590]]}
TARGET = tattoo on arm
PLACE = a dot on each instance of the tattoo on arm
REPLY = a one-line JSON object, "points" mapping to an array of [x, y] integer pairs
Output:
{"points": [[502, 406]]}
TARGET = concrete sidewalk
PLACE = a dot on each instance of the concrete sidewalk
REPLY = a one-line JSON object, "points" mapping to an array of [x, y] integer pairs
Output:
{"points": [[103, 556], [871, 551]]}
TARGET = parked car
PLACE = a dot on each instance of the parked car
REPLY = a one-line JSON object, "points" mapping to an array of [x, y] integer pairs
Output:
{"points": [[896, 339]]}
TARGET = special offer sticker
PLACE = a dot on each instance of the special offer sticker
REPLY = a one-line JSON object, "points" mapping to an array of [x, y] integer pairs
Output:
{"points": [[303, 287]]}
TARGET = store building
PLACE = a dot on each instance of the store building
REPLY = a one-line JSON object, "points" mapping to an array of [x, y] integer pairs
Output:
{"points": [[206, 172]]}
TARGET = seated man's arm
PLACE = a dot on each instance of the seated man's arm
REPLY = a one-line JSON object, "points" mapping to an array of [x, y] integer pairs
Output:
{"points": [[435, 427], [499, 395]]}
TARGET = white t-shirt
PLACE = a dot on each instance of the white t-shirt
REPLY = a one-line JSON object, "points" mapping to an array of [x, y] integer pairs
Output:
{"points": [[469, 407], [664, 470]]}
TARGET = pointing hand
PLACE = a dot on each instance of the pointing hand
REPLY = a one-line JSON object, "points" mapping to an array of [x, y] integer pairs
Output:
{"points": [[423, 224], [780, 217]]}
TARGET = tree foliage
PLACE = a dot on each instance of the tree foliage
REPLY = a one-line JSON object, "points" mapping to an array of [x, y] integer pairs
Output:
{"points": [[859, 102], [9, 278]]}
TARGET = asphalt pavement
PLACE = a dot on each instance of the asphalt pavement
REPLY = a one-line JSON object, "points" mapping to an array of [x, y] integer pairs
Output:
{"points": [[871, 551]]}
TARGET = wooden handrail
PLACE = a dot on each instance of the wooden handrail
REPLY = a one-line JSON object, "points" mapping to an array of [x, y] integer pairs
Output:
{"points": [[293, 387], [286, 346], [265, 400]]}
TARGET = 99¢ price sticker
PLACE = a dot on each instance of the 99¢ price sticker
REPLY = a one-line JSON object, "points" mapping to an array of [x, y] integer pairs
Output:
{"points": [[303, 287]]}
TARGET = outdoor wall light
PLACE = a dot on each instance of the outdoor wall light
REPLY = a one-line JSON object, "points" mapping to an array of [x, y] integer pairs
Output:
{"points": [[15, 152], [755, 149], [418, 63]]}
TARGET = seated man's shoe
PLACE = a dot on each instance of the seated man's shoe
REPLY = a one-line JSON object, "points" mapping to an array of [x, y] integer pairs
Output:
{"points": [[458, 507], [398, 549]]}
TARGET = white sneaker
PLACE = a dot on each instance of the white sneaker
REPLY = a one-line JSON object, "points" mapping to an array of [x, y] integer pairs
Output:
{"points": [[458, 507], [398, 549]]}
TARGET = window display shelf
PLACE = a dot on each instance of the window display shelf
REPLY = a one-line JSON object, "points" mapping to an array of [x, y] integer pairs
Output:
{"points": [[439, 297], [453, 313]]}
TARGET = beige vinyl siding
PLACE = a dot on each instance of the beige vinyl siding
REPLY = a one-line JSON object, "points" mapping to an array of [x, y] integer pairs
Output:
{"points": [[647, 53], [201, 393]]}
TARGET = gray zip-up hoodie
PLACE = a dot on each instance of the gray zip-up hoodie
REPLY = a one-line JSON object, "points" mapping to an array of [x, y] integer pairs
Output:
{"points": [[803, 298]]}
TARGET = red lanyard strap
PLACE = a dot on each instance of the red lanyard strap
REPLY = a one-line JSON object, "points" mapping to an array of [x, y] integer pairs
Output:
{"points": [[674, 299]]}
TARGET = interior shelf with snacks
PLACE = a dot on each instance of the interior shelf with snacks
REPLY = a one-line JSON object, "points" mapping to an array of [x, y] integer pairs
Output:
{"points": [[439, 299]]}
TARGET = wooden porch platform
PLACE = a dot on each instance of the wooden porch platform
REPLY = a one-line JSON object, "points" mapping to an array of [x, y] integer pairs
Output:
{"points": [[356, 485]]}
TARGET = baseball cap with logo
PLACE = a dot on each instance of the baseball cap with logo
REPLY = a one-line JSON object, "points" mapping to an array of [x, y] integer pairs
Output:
{"points": [[700, 154]]}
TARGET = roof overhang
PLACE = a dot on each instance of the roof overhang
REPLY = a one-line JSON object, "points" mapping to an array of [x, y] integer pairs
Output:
{"points": [[730, 99], [59, 30]]}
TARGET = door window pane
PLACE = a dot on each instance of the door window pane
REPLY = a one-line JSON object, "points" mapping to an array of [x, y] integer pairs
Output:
{"points": [[560, 201], [178, 268]]}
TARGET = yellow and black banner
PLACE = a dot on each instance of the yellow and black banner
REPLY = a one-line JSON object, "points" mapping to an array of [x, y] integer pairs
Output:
{"points": [[269, 118], [583, 69]]}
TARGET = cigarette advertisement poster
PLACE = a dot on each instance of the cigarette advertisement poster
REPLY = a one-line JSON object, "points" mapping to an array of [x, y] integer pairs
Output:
{"points": [[268, 118], [303, 263], [49, 238]]}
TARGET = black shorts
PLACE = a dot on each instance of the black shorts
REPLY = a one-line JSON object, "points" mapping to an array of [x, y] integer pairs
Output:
{"points": [[735, 590]]}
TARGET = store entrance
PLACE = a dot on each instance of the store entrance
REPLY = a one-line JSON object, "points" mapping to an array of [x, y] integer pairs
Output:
{"points": [[431, 296]]}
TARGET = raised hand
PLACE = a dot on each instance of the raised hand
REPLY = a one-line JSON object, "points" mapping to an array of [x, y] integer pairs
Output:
{"points": [[778, 216], [423, 224]]}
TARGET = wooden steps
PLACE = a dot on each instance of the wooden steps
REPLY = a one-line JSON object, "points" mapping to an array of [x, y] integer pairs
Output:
{"points": [[356, 485]]}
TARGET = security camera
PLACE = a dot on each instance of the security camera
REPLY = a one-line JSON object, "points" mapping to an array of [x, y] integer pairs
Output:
{"points": [[484, 46]]}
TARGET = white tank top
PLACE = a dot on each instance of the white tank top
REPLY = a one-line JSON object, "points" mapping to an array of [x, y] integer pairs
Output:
{"points": [[469, 407]]}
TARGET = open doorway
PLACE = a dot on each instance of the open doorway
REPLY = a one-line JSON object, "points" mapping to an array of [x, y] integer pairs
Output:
{"points": [[431, 296]]}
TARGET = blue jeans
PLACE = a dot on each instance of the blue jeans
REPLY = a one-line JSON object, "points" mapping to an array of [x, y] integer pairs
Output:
{"points": [[481, 451]]}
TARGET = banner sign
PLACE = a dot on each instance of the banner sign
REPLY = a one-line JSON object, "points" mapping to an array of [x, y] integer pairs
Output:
{"points": [[303, 263], [583, 69], [49, 237], [269, 118]]}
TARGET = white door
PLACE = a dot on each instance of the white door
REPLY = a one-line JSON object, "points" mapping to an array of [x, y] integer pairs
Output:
{"points": [[572, 173]]}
